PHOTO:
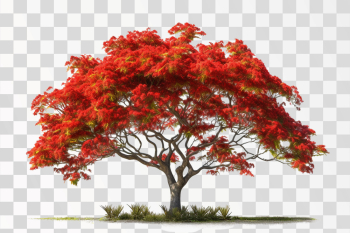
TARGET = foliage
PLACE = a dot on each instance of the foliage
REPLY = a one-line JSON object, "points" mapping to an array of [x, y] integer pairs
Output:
{"points": [[176, 214], [200, 214], [109, 211], [137, 211], [155, 218], [197, 214], [225, 212], [212, 213], [116, 211], [67, 218], [165, 211], [180, 214], [184, 215], [125, 216], [161, 218], [137, 89], [146, 210]]}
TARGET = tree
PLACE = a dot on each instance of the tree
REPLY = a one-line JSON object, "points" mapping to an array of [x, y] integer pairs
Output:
{"points": [[146, 85]]}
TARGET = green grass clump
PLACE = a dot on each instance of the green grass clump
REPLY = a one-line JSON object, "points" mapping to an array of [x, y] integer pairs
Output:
{"points": [[116, 211], [155, 218], [199, 214], [138, 212], [178, 214], [112, 213], [125, 216], [66, 218], [108, 210], [165, 211], [195, 214], [213, 213], [224, 213]]}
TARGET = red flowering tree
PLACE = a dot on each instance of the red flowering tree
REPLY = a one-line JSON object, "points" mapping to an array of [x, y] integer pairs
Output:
{"points": [[146, 85]]}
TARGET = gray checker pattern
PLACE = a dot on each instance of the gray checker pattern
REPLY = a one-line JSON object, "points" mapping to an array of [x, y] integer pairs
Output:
{"points": [[306, 43]]}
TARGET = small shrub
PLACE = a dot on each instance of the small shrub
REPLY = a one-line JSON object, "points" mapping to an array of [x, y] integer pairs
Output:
{"points": [[142, 212], [136, 211], [125, 216], [176, 215], [150, 218], [116, 211], [225, 213], [108, 210], [200, 214], [212, 213], [165, 211], [155, 218], [185, 213], [145, 210]]}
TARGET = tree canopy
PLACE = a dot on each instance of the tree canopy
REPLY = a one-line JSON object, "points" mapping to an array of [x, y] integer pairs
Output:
{"points": [[145, 85]]}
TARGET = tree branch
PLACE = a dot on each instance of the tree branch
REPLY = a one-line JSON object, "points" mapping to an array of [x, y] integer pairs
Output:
{"points": [[155, 146], [176, 114], [161, 140], [212, 142], [159, 135], [185, 163], [135, 157], [128, 141], [257, 155]]}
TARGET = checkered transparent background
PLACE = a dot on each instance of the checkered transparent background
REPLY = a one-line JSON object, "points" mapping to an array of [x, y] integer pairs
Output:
{"points": [[305, 43]]}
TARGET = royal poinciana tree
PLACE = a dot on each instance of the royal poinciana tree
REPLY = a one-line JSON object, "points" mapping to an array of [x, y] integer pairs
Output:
{"points": [[146, 85]]}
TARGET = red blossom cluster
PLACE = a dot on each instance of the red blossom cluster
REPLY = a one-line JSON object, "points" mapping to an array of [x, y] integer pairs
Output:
{"points": [[139, 85]]}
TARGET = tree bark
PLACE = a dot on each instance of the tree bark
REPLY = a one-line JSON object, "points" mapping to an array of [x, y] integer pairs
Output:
{"points": [[175, 197]]}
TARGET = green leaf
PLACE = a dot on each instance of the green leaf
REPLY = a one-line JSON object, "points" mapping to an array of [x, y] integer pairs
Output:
{"points": [[160, 68], [273, 153], [74, 182], [188, 134], [277, 144], [127, 59]]}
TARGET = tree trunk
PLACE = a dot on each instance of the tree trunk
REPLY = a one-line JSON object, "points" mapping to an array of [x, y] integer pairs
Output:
{"points": [[175, 198]]}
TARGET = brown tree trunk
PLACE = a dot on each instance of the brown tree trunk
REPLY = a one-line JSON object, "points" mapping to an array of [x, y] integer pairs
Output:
{"points": [[175, 190], [175, 198]]}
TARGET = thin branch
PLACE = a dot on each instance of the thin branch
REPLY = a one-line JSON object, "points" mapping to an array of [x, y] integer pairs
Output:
{"points": [[177, 115], [274, 158], [221, 165], [160, 135], [186, 144], [155, 146], [135, 157], [257, 155], [212, 142], [167, 159], [161, 140], [193, 142], [132, 134]]}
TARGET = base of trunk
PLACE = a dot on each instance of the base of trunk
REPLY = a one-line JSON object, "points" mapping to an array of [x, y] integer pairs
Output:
{"points": [[175, 199]]}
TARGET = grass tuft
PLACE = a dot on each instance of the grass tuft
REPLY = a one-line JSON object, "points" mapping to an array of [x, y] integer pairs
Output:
{"points": [[108, 210], [209, 214], [199, 214], [116, 211], [225, 213], [65, 218]]}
